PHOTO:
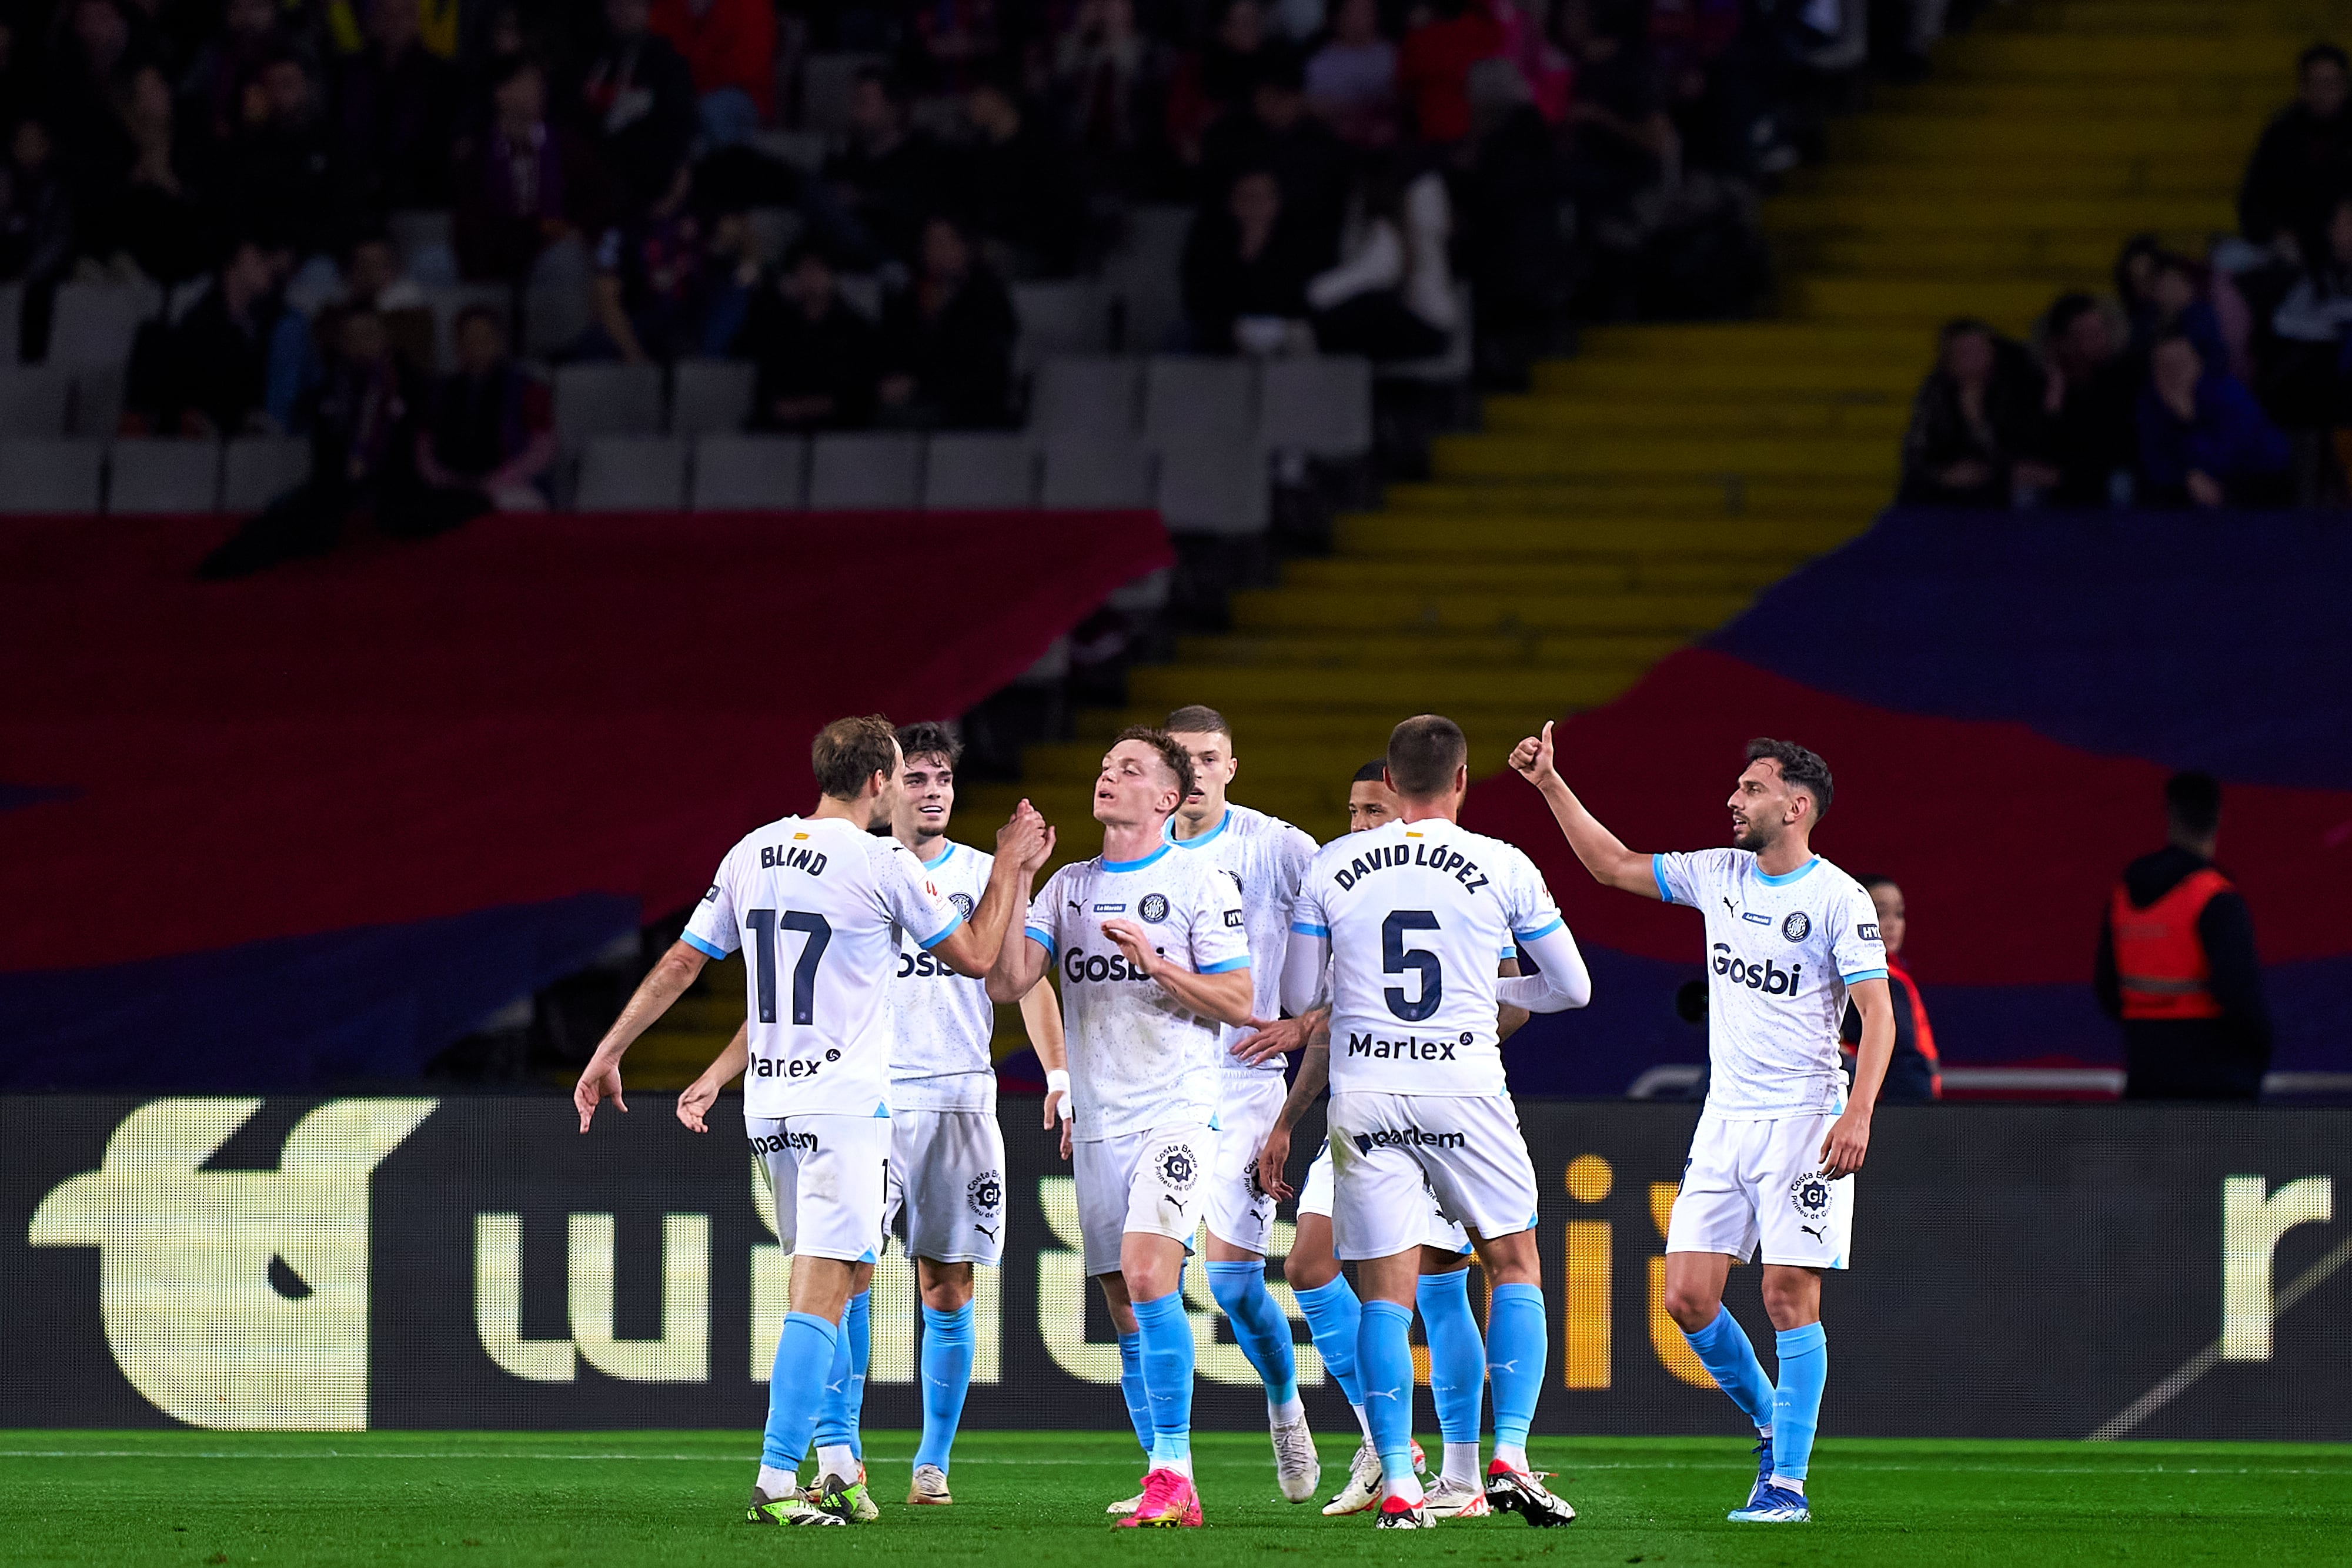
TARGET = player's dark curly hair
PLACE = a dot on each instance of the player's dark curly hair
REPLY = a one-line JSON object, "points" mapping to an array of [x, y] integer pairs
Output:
{"points": [[929, 737], [1178, 760], [1799, 769], [849, 751]]}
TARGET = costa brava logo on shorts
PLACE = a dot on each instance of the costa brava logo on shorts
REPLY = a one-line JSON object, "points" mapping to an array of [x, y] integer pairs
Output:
{"points": [[1796, 926], [1154, 908], [1767, 976], [1177, 1167], [1809, 1195], [985, 1193]]}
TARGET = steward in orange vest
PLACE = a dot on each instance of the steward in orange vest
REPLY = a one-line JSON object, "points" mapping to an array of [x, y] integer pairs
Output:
{"points": [[2176, 965]]}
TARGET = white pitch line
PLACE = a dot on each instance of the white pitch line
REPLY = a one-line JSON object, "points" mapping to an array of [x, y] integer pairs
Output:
{"points": [[1841, 1463]]}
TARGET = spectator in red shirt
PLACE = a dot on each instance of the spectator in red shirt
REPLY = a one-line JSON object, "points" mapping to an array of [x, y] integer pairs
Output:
{"points": [[731, 46], [1433, 66], [1915, 1072]]}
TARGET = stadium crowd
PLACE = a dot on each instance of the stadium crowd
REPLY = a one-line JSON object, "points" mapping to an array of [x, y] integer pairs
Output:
{"points": [[1349, 164], [2211, 382]]}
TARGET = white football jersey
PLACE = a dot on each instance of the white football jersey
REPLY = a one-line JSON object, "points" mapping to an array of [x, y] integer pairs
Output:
{"points": [[1267, 858], [1139, 1059], [1415, 914], [1780, 951], [820, 905], [942, 1021]]}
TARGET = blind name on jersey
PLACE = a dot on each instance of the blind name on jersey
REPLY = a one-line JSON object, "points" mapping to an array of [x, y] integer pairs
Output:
{"points": [[820, 949]]}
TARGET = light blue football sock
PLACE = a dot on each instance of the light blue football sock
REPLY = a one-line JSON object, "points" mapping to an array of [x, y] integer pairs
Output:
{"points": [[1797, 1401], [1384, 1361], [1130, 1384], [1722, 1348], [1457, 1357], [947, 1378], [1167, 1336], [804, 1355], [1259, 1326], [844, 1388], [1333, 1317], [1517, 1343]]}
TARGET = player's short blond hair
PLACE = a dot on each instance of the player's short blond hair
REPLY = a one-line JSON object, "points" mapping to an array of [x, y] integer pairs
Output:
{"points": [[849, 751]]}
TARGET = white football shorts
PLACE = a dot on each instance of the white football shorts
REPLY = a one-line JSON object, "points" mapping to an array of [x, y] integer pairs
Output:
{"points": [[1751, 1179], [1314, 1198], [1390, 1152], [1240, 1211], [826, 1173], [1152, 1181], [945, 1192]]}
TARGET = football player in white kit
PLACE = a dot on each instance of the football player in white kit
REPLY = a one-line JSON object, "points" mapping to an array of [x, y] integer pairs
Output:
{"points": [[1154, 956], [946, 1174], [1265, 856], [821, 901], [1457, 1355], [1790, 939], [1410, 918]]}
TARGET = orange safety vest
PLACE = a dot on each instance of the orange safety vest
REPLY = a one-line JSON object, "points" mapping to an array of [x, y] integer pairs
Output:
{"points": [[2160, 965]]}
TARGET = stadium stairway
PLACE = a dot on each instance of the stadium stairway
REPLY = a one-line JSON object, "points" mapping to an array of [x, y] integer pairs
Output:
{"points": [[1643, 493]]}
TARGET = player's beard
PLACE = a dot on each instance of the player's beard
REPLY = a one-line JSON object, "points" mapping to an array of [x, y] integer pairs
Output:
{"points": [[1755, 838]]}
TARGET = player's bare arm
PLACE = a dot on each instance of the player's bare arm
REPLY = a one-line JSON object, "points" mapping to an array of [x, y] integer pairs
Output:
{"points": [[1849, 1136], [695, 1101], [1223, 996], [1314, 1075], [677, 969], [1019, 965], [1604, 854], [1022, 844], [1041, 1011]]}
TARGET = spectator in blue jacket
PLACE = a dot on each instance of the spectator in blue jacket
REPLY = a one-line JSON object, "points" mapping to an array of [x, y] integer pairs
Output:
{"points": [[2203, 439]]}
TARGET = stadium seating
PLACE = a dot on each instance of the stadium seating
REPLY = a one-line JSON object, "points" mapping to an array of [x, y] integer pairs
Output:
{"points": [[1094, 474], [607, 400], [257, 469], [36, 401], [94, 323], [709, 397], [751, 472], [1641, 492], [163, 476], [979, 473], [53, 474], [865, 472], [632, 473]]}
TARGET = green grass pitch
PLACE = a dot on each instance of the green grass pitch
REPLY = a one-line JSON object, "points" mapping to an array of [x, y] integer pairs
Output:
{"points": [[577, 1499]]}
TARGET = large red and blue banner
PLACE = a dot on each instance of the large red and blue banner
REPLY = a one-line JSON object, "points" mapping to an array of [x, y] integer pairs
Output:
{"points": [[312, 826], [2000, 697]]}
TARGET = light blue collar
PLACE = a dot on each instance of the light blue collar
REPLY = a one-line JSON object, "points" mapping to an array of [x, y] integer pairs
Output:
{"points": [[1785, 878], [1168, 831], [946, 855], [1135, 866]]}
